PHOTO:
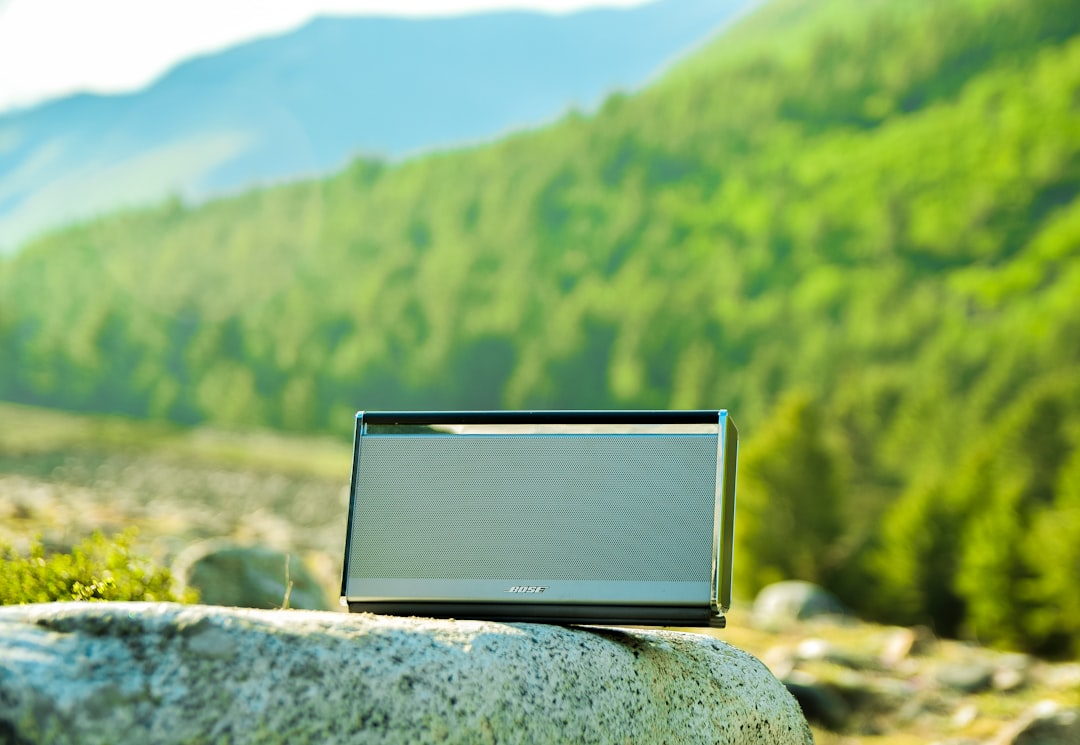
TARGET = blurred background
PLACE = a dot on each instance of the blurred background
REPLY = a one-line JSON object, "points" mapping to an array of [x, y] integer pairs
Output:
{"points": [[853, 223]]}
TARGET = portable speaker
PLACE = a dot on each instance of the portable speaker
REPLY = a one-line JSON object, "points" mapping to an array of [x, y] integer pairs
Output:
{"points": [[591, 517]]}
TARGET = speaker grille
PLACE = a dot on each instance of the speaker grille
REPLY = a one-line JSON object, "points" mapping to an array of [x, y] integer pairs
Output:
{"points": [[555, 507]]}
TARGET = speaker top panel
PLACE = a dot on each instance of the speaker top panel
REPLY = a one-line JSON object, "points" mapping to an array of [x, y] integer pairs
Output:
{"points": [[378, 419]]}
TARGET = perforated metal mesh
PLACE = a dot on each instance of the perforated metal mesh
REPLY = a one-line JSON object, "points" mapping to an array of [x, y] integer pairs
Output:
{"points": [[560, 507]]}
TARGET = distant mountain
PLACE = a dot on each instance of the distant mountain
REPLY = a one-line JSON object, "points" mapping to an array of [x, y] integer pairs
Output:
{"points": [[305, 102]]}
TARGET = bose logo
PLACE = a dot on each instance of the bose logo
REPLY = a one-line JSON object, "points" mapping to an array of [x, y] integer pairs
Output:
{"points": [[525, 588]]}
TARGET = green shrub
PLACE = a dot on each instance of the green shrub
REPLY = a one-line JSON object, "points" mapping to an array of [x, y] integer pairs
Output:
{"points": [[99, 568], [1013, 555], [921, 546], [989, 549], [790, 501]]}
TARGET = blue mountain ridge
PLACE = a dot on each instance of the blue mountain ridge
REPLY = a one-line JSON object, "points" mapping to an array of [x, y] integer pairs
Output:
{"points": [[307, 101]]}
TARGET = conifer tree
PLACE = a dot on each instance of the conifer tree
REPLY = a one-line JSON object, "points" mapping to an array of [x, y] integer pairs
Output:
{"points": [[790, 500]]}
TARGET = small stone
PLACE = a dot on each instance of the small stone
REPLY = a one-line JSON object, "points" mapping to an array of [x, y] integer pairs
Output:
{"points": [[819, 649], [915, 707], [965, 715], [965, 677], [813, 649], [1061, 677], [783, 603], [903, 643], [819, 702], [780, 661], [248, 577], [1007, 679]]}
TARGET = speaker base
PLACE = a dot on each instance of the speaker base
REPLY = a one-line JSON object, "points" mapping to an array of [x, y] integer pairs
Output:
{"points": [[597, 615]]}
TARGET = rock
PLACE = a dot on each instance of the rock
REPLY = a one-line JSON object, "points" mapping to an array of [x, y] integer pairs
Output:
{"points": [[964, 716], [780, 661], [1046, 723], [873, 693], [966, 677], [819, 649], [1008, 679], [248, 577], [783, 603], [814, 649], [902, 644], [918, 706], [167, 673], [1012, 672], [1065, 676], [820, 703]]}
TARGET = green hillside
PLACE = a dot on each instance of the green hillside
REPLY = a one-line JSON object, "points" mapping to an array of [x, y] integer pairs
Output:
{"points": [[855, 224]]}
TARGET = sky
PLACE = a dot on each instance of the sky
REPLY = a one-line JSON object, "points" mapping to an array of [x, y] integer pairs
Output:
{"points": [[51, 48]]}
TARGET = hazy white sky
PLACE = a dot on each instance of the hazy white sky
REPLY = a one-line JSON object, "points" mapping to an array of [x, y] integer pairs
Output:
{"points": [[50, 48]]}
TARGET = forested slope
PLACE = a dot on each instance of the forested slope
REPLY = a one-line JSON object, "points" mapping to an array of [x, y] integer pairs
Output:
{"points": [[853, 223]]}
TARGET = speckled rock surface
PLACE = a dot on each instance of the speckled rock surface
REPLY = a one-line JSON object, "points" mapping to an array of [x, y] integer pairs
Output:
{"points": [[164, 673]]}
